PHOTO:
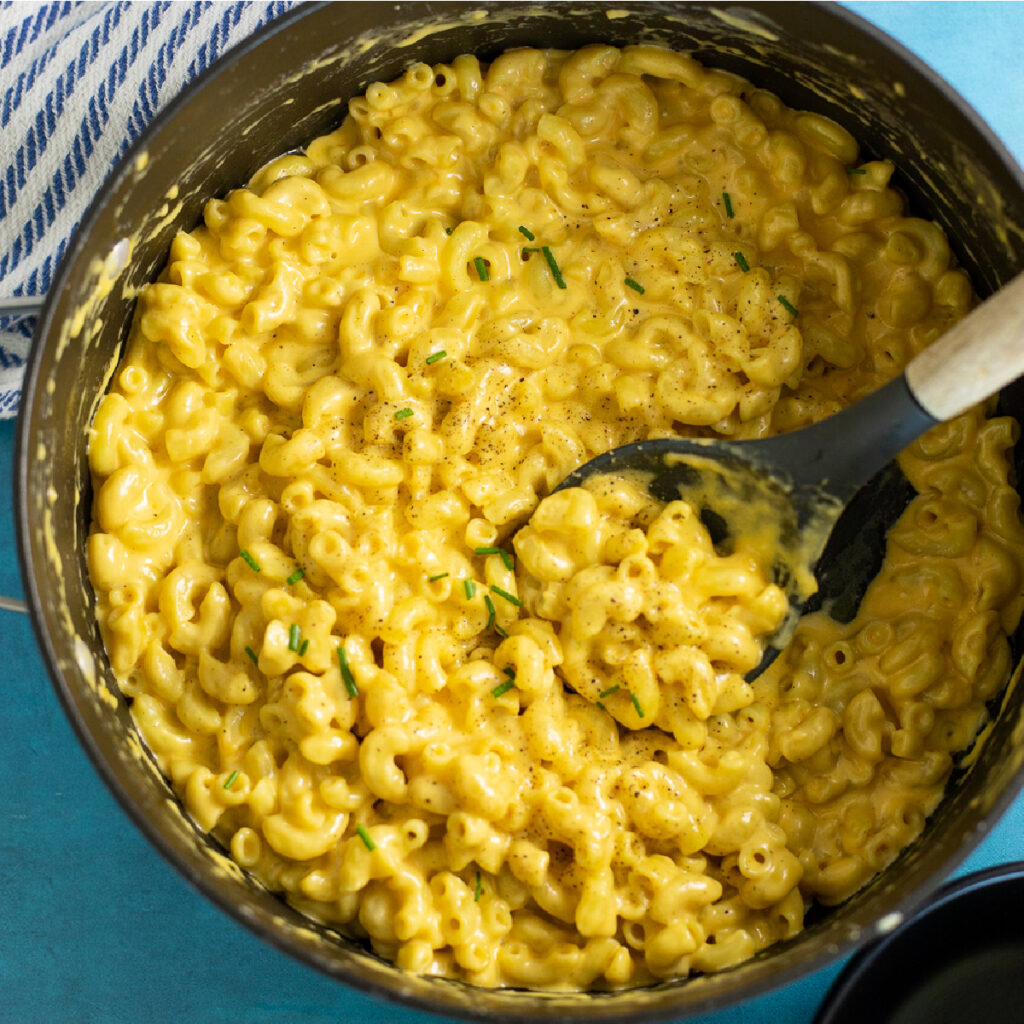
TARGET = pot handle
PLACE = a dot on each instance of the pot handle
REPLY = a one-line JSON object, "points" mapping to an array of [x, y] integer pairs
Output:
{"points": [[18, 306], [21, 306]]}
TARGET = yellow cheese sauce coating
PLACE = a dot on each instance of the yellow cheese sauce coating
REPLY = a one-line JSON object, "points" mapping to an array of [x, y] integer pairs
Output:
{"points": [[358, 379]]}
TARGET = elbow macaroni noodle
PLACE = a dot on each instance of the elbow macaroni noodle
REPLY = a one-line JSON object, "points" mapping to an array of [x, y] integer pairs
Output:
{"points": [[529, 756]]}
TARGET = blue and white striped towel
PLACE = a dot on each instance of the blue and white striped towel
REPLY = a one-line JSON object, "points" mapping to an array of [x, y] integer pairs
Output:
{"points": [[78, 83]]}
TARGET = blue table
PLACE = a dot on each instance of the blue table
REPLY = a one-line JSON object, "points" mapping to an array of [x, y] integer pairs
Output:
{"points": [[96, 927]]}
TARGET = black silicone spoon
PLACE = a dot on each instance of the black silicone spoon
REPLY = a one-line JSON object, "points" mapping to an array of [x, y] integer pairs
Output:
{"points": [[790, 490]]}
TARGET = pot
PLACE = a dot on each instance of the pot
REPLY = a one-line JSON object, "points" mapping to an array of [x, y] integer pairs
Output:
{"points": [[291, 83]]}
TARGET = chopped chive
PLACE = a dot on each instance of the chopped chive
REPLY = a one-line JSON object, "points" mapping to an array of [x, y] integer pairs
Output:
{"points": [[365, 836], [447, 231], [511, 598], [403, 414], [491, 611], [435, 356], [231, 780], [788, 306], [481, 268], [479, 884], [630, 283], [856, 170], [500, 632], [530, 236], [252, 656], [598, 704], [346, 674], [636, 704], [304, 648], [507, 558], [553, 264], [439, 576], [509, 671], [295, 577], [249, 560], [727, 200], [502, 688], [527, 250], [741, 261], [294, 637], [609, 691], [470, 588]]}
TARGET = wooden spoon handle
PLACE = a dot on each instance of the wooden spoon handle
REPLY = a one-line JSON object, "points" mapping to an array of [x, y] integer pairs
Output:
{"points": [[975, 358]]}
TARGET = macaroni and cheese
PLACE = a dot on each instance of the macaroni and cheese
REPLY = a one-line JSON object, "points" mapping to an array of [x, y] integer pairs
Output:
{"points": [[499, 734], [655, 626]]}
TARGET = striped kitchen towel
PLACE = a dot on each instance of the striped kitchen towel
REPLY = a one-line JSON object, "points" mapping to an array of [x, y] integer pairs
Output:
{"points": [[78, 83]]}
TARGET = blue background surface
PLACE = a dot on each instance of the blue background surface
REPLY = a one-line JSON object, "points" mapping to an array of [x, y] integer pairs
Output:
{"points": [[96, 927]]}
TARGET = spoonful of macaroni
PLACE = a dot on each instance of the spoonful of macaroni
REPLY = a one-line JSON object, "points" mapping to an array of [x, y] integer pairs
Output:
{"points": [[762, 511]]}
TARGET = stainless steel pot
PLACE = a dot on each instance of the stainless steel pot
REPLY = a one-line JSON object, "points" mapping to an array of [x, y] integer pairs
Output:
{"points": [[286, 86]]}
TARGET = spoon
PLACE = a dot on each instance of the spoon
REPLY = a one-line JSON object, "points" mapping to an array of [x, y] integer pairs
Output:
{"points": [[783, 496]]}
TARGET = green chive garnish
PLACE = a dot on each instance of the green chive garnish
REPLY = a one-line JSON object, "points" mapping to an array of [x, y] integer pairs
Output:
{"points": [[856, 170], [552, 263], [741, 261], [636, 704], [365, 836], [439, 576], [500, 632], [502, 688], [295, 577], [491, 611], [479, 886], [598, 704], [304, 648], [609, 691], [787, 305], [481, 268], [249, 560], [231, 780], [346, 674], [727, 200], [252, 656], [470, 588], [630, 283], [530, 236], [447, 231], [294, 638], [434, 356], [403, 414], [509, 671], [505, 556], [511, 598]]}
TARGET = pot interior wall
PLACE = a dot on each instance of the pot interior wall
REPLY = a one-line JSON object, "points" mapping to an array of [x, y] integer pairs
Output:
{"points": [[292, 84]]}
